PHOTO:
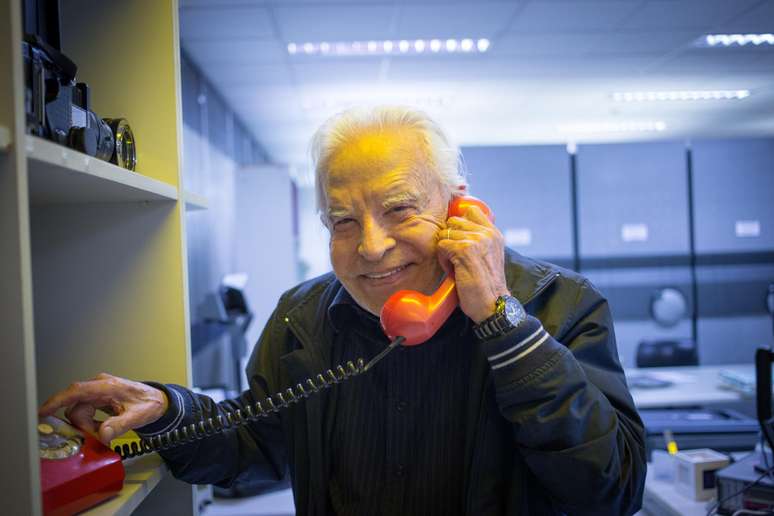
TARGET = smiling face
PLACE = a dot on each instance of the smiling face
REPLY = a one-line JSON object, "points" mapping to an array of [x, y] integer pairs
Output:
{"points": [[385, 205]]}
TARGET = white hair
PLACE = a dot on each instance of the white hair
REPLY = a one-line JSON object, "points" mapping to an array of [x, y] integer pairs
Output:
{"points": [[444, 157]]}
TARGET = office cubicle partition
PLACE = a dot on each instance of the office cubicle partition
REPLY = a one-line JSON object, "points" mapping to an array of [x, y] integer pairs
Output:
{"points": [[633, 234], [678, 237], [733, 188], [529, 191]]}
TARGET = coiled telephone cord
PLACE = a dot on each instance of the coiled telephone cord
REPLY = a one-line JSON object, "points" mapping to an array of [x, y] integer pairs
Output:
{"points": [[212, 425], [232, 419]]}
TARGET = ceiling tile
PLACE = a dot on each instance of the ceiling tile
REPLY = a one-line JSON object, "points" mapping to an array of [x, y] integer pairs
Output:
{"points": [[236, 52], [641, 42], [449, 68], [686, 14], [225, 23], [342, 70], [220, 3], [335, 22], [576, 16], [711, 63], [566, 68], [250, 76], [545, 44], [757, 19], [454, 20]]}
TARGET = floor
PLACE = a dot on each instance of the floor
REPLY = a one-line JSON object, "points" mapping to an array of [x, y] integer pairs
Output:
{"points": [[278, 503]]}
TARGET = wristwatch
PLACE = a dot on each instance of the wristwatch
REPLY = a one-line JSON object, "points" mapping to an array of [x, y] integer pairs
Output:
{"points": [[508, 315]]}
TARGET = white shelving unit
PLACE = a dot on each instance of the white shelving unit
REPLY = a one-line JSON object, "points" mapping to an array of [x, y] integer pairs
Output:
{"points": [[5, 138], [61, 175], [142, 476], [194, 201], [93, 274]]}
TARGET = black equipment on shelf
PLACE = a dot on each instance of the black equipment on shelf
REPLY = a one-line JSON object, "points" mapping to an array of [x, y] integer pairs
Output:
{"points": [[59, 109], [763, 359], [667, 353]]}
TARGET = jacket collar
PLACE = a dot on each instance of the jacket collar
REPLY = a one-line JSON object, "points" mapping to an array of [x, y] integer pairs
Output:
{"points": [[526, 277]]}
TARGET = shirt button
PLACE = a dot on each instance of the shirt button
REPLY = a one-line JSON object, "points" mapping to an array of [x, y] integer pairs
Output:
{"points": [[401, 406], [400, 470]]}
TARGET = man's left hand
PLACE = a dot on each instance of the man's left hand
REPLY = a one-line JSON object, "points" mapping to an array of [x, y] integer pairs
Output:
{"points": [[473, 248]]}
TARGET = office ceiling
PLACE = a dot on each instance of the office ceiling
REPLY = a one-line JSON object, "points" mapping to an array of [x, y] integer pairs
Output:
{"points": [[550, 69]]}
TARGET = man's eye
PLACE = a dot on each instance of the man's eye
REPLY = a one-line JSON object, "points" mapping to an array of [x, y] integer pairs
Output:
{"points": [[401, 208], [342, 223]]}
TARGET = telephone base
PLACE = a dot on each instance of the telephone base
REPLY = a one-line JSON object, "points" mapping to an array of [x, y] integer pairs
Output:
{"points": [[80, 477]]}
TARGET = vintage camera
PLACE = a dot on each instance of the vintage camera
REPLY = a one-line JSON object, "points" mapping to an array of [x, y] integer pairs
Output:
{"points": [[57, 108]]}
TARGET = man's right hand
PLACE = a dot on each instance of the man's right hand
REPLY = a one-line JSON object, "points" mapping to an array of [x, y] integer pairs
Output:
{"points": [[130, 405]]}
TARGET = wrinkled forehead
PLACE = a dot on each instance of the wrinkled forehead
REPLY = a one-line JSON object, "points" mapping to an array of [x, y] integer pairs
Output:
{"points": [[379, 156], [372, 151]]}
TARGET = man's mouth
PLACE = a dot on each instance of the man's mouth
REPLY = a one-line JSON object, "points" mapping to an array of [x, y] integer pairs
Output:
{"points": [[385, 274]]}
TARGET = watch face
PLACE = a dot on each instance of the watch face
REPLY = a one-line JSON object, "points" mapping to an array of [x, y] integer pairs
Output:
{"points": [[514, 312]]}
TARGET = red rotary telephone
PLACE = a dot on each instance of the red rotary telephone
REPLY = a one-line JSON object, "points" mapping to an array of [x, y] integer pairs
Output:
{"points": [[415, 316], [76, 470]]}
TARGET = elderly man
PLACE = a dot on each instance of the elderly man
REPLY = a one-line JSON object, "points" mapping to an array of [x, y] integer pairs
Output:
{"points": [[517, 405]]}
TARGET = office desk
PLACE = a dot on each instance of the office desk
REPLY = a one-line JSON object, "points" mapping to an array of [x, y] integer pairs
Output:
{"points": [[699, 386], [662, 499], [691, 386]]}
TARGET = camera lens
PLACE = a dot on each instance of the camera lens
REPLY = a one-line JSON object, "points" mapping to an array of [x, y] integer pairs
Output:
{"points": [[125, 154]]}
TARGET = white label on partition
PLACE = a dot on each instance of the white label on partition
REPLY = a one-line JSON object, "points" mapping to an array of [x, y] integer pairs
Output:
{"points": [[634, 232], [747, 228], [518, 237]]}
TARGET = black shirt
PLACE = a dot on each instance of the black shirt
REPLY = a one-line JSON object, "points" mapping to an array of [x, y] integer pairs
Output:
{"points": [[397, 433]]}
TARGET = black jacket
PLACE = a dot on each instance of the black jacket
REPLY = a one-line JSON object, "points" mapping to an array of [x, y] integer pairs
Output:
{"points": [[555, 432]]}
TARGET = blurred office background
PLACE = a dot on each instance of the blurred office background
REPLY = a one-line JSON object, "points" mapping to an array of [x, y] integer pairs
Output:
{"points": [[631, 140]]}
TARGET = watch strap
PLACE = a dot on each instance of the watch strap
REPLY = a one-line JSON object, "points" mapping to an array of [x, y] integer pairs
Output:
{"points": [[489, 328]]}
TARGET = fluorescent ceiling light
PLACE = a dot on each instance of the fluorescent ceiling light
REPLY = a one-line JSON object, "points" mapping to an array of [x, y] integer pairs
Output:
{"points": [[729, 40], [612, 127], [395, 47], [646, 96]]}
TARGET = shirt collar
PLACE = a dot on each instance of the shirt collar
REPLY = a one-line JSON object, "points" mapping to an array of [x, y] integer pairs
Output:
{"points": [[343, 310]]}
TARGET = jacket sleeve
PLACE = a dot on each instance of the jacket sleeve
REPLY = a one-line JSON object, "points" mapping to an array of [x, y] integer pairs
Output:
{"points": [[573, 418], [255, 450]]}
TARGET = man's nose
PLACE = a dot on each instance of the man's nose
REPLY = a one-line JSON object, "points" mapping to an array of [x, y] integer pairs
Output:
{"points": [[375, 241]]}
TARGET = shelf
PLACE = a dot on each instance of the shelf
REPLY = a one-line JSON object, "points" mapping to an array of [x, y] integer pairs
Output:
{"points": [[58, 174], [195, 202], [143, 474], [5, 138]]}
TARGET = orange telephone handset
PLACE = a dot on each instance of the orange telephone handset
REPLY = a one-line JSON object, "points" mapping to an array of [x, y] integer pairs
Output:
{"points": [[415, 316]]}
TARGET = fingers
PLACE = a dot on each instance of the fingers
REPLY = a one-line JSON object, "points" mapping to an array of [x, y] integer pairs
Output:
{"points": [[108, 432], [132, 418], [94, 392], [456, 235], [465, 224], [81, 415], [476, 214]]}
